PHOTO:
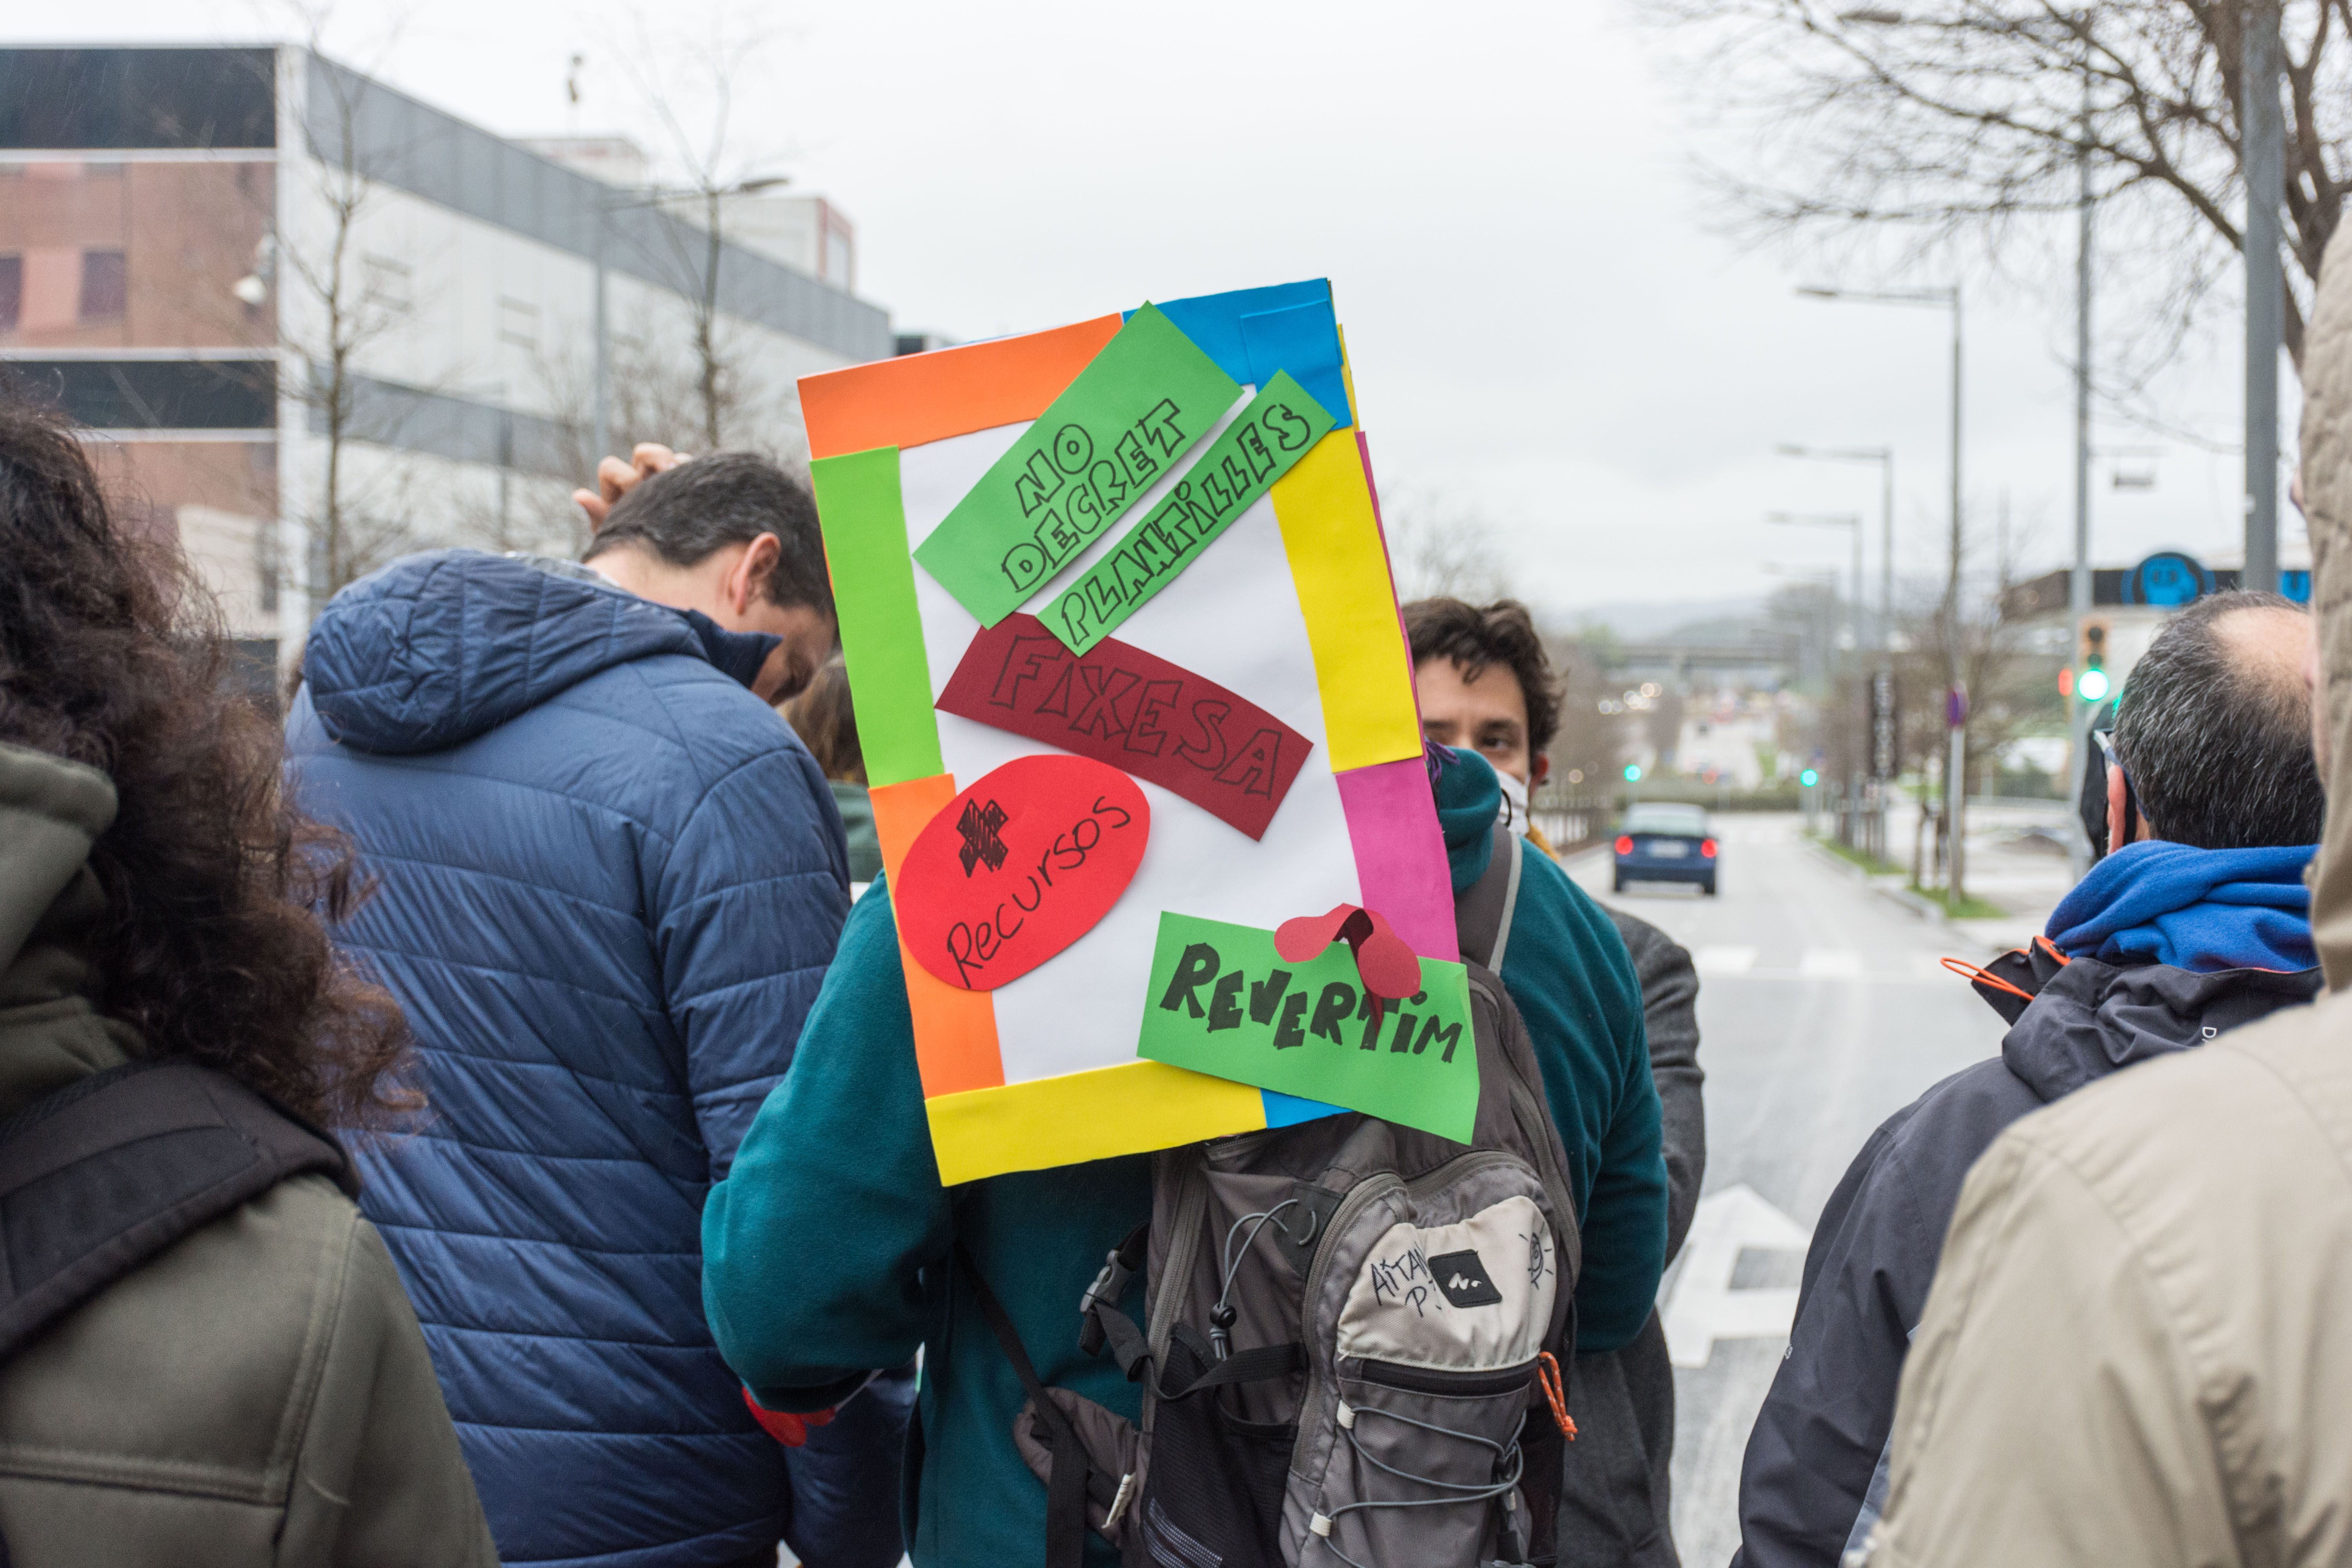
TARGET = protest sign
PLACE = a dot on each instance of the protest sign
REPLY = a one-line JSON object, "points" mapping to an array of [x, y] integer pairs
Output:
{"points": [[1271, 633]]}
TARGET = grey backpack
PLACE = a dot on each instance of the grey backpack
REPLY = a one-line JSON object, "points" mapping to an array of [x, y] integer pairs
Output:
{"points": [[1344, 1342]]}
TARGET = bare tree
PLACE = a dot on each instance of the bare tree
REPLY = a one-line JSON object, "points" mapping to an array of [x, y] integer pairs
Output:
{"points": [[688, 83], [1589, 748], [1953, 119], [1441, 547], [335, 302]]}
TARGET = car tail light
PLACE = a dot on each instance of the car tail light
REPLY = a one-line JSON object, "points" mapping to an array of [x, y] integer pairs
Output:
{"points": [[1706, 849], [1625, 846]]}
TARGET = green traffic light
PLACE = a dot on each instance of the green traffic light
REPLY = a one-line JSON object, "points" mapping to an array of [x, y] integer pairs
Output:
{"points": [[1633, 773], [2093, 687], [1810, 777]]}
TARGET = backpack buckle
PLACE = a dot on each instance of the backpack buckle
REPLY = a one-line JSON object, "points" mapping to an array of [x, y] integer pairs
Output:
{"points": [[1110, 1286]]}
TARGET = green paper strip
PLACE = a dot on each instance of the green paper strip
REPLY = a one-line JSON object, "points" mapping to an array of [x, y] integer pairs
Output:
{"points": [[1222, 1002], [1138, 406], [1274, 432], [864, 525]]}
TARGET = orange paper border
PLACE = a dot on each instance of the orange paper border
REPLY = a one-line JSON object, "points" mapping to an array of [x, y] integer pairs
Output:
{"points": [[955, 1029], [947, 391]]}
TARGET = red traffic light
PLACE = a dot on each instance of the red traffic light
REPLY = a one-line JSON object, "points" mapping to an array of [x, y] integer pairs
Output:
{"points": [[1624, 844], [1706, 849]]}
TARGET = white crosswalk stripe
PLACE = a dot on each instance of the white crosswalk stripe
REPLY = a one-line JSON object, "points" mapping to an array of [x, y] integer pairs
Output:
{"points": [[1830, 963], [1723, 960]]}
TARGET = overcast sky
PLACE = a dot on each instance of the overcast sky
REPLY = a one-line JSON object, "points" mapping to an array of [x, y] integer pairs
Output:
{"points": [[1548, 329]]}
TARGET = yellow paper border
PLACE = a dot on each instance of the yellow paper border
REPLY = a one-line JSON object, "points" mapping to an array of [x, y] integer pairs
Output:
{"points": [[1362, 669], [1131, 1108]]}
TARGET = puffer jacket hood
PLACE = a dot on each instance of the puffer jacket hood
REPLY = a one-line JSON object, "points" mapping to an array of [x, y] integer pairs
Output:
{"points": [[438, 649]]}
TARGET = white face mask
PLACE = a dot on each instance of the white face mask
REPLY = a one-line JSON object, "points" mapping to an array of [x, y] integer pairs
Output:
{"points": [[1514, 811]]}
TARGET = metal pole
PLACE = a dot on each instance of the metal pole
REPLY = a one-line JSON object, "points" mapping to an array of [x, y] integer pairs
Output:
{"points": [[2078, 581], [2264, 136], [1886, 555], [603, 349], [1956, 783], [1885, 639]]}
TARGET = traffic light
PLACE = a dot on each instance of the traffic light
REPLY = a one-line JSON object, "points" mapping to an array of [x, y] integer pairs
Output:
{"points": [[2093, 685], [1633, 773], [1810, 777]]}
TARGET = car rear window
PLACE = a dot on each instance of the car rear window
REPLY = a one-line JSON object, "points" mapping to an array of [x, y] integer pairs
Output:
{"points": [[1688, 820]]}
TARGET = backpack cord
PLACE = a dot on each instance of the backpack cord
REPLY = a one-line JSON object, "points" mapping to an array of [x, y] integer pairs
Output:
{"points": [[1512, 1457], [1220, 1316]]}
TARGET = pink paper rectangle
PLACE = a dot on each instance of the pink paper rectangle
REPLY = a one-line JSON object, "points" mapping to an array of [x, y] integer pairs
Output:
{"points": [[1400, 853]]}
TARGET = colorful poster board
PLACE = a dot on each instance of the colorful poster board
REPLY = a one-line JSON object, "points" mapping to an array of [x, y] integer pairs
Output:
{"points": [[1269, 644]]}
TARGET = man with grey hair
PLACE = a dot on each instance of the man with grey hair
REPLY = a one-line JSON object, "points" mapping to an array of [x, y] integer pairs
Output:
{"points": [[2194, 922], [2139, 1346]]}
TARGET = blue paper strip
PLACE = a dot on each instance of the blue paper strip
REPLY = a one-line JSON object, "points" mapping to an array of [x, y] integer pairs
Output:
{"points": [[1305, 341], [1289, 1110], [1214, 323]]}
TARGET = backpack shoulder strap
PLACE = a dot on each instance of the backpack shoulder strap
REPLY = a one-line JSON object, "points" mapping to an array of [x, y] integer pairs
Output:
{"points": [[107, 1173], [1483, 910]]}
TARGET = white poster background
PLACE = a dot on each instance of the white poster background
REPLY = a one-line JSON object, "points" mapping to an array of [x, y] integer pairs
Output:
{"points": [[1232, 617]]}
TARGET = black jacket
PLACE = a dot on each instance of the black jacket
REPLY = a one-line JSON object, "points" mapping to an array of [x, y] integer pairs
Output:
{"points": [[1617, 1504], [1814, 1477]]}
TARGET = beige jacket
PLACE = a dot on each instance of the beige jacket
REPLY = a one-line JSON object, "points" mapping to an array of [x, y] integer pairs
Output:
{"points": [[258, 1394], [2139, 1346]]}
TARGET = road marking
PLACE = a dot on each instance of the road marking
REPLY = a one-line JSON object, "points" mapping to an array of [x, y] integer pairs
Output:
{"points": [[1705, 1308], [1831, 964], [1723, 960]]}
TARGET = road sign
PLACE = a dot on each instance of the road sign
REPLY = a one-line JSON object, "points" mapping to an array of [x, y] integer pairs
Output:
{"points": [[2168, 578]]}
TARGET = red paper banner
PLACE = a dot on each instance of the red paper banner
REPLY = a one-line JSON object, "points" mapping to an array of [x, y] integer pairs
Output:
{"points": [[1135, 710], [1019, 866]]}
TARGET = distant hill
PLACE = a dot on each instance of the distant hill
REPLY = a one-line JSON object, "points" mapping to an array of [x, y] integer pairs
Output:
{"points": [[1689, 620]]}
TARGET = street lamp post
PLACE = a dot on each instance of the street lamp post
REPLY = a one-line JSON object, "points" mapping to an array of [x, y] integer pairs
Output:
{"points": [[1956, 712], [2263, 134], [1877, 705], [625, 199], [1852, 522]]}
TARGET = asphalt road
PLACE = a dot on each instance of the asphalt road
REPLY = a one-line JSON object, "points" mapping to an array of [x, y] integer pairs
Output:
{"points": [[1821, 1009]]}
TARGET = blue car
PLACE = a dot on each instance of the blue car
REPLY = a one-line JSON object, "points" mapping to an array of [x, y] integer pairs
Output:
{"points": [[1662, 842]]}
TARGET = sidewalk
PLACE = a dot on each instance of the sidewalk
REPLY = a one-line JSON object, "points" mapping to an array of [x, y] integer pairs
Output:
{"points": [[2016, 861]]}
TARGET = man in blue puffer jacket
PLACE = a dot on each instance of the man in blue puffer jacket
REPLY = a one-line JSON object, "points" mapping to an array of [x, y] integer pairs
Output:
{"points": [[610, 881]]}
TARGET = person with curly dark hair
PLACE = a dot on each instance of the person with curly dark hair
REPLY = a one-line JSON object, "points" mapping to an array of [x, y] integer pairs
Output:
{"points": [[257, 1391]]}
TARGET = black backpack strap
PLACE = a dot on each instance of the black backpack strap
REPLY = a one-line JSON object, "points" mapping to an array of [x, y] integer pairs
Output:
{"points": [[1066, 1494], [1483, 910], [109, 1172]]}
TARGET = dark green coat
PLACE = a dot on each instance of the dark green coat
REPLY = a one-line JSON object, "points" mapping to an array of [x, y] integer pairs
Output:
{"points": [[258, 1394], [826, 1250]]}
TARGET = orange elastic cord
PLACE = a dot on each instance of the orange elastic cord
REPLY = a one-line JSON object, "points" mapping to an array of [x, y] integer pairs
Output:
{"points": [[1962, 967], [2045, 945], [1547, 1374]]}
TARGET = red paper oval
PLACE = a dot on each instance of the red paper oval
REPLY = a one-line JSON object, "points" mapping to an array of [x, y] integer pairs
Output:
{"points": [[1019, 866]]}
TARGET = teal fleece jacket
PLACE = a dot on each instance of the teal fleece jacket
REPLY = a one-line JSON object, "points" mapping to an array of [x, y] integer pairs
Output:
{"points": [[827, 1250]]}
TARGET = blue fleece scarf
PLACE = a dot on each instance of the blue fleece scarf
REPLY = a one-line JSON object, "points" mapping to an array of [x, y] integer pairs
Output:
{"points": [[2199, 910]]}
